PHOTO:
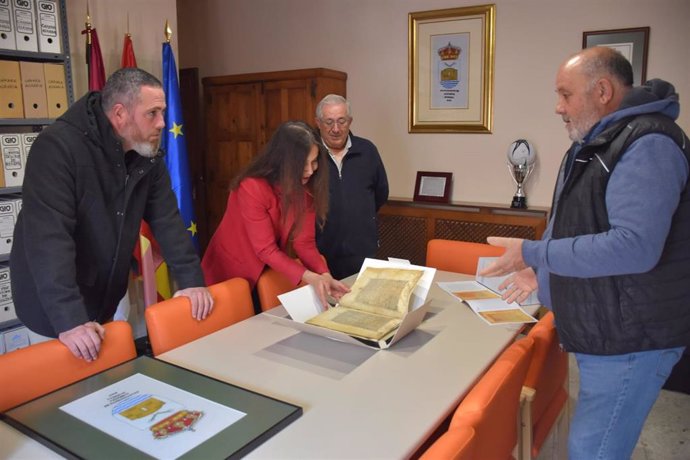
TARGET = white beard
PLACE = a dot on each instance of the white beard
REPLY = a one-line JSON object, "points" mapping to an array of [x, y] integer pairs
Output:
{"points": [[145, 149]]}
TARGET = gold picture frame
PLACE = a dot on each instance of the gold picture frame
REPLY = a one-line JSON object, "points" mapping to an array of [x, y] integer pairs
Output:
{"points": [[451, 70]]}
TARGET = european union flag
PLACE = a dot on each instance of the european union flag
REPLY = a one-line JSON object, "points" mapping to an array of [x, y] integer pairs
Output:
{"points": [[173, 143]]}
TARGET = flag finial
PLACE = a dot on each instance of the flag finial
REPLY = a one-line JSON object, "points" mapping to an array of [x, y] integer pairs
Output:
{"points": [[167, 32], [87, 24]]}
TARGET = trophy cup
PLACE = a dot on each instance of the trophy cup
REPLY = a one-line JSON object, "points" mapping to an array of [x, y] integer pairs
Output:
{"points": [[521, 160]]}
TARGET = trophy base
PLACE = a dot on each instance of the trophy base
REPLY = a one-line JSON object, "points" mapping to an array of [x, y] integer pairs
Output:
{"points": [[519, 202]]}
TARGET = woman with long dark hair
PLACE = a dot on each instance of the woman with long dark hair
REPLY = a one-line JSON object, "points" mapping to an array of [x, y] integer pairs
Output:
{"points": [[271, 215]]}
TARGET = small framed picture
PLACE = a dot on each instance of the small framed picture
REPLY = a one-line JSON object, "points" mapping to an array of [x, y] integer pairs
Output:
{"points": [[433, 186]]}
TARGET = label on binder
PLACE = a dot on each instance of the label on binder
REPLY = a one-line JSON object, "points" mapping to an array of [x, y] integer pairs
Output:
{"points": [[7, 40], [48, 26], [25, 25]]}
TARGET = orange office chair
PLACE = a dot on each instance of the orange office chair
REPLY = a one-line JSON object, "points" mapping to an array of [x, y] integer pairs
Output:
{"points": [[170, 323], [492, 406], [544, 393], [38, 369], [455, 444], [458, 256], [270, 285]]}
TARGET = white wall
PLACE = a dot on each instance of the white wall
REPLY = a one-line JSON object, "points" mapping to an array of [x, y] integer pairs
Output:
{"points": [[109, 18], [368, 40]]}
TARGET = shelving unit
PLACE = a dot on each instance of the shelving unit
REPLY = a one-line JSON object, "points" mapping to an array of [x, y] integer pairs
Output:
{"points": [[28, 125]]}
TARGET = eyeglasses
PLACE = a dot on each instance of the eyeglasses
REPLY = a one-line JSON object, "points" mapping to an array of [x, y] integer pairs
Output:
{"points": [[340, 122]]}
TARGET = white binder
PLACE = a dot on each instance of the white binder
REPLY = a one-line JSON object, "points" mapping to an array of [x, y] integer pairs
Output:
{"points": [[7, 40], [12, 161], [25, 25], [27, 141], [8, 218], [48, 26], [6, 304]]}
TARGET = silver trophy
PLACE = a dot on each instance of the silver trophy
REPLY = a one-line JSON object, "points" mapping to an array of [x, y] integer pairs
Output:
{"points": [[521, 159]]}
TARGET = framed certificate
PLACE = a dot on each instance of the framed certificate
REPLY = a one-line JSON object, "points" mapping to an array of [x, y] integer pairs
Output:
{"points": [[433, 186], [146, 408]]}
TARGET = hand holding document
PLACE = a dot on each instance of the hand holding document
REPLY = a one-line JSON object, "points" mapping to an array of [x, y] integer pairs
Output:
{"points": [[386, 302], [376, 305], [484, 298]]}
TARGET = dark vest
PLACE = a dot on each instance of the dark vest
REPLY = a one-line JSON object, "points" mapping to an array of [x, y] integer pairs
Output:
{"points": [[629, 313]]}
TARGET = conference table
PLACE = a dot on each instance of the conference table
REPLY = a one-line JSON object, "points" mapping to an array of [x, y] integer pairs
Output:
{"points": [[357, 402]]}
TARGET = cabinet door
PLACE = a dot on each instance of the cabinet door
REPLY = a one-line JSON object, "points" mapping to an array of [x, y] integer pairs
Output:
{"points": [[233, 136], [287, 100]]}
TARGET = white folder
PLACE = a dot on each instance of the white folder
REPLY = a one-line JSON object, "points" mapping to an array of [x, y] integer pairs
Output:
{"points": [[12, 161], [25, 25], [48, 26], [7, 40]]}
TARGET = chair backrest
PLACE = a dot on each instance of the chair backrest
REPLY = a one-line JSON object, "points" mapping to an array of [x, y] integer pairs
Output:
{"points": [[458, 256], [547, 376], [38, 369], [170, 323], [270, 285], [492, 406], [455, 444]]}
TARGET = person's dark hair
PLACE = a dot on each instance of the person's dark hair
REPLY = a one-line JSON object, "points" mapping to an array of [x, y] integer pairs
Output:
{"points": [[281, 163], [123, 87], [609, 61]]}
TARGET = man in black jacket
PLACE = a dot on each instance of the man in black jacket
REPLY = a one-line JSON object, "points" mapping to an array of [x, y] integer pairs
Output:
{"points": [[90, 179], [358, 187]]}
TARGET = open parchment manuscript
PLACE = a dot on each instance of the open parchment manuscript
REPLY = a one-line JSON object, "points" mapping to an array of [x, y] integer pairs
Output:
{"points": [[375, 306]]}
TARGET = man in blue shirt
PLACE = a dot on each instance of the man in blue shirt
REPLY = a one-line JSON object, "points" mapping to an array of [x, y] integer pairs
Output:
{"points": [[614, 262]]}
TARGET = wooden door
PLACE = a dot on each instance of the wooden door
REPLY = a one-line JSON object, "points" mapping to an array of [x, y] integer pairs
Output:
{"points": [[241, 114], [233, 136]]}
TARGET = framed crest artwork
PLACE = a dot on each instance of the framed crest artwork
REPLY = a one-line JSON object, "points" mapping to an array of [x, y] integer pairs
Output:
{"points": [[451, 67], [631, 43]]}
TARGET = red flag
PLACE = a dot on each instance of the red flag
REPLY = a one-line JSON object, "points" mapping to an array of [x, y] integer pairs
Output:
{"points": [[128, 59], [147, 253], [94, 60]]}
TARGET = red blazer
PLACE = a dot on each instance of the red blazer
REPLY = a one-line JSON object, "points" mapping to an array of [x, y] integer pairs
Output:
{"points": [[251, 236]]}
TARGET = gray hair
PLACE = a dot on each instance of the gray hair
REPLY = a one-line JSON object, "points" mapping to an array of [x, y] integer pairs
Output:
{"points": [[123, 87], [607, 61], [332, 99]]}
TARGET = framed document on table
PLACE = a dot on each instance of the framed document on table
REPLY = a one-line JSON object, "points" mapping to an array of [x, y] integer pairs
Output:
{"points": [[146, 408]]}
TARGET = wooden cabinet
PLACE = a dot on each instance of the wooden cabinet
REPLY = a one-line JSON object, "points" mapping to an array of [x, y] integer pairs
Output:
{"points": [[241, 113], [406, 226]]}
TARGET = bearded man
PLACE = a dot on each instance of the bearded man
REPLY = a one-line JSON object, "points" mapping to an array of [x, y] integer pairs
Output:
{"points": [[90, 179]]}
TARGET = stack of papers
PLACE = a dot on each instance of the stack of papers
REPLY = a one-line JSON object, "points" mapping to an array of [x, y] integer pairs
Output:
{"points": [[484, 298]]}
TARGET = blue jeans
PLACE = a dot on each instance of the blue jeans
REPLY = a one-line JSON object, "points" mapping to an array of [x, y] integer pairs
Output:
{"points": [[616, 394]]}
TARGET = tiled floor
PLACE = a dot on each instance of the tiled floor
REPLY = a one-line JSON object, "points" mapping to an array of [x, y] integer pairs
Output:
{"points": [[666, 434]]}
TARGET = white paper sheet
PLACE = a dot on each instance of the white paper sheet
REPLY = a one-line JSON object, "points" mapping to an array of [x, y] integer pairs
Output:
{"points": [[132, 409]]}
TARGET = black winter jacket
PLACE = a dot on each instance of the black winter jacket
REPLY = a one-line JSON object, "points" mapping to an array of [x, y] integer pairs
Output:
{"points": [[355, 197], [81, 212]]}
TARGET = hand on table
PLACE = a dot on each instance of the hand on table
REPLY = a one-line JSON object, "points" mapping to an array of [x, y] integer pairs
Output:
{"points": [[201, 300], [84, 341]]}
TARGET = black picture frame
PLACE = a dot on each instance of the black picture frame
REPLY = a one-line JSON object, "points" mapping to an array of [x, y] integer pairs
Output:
{"points": [[633, 43], [433, 186]]}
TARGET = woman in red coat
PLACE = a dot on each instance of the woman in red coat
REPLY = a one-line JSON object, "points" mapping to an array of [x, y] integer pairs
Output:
{"points": [[271, 215]]}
